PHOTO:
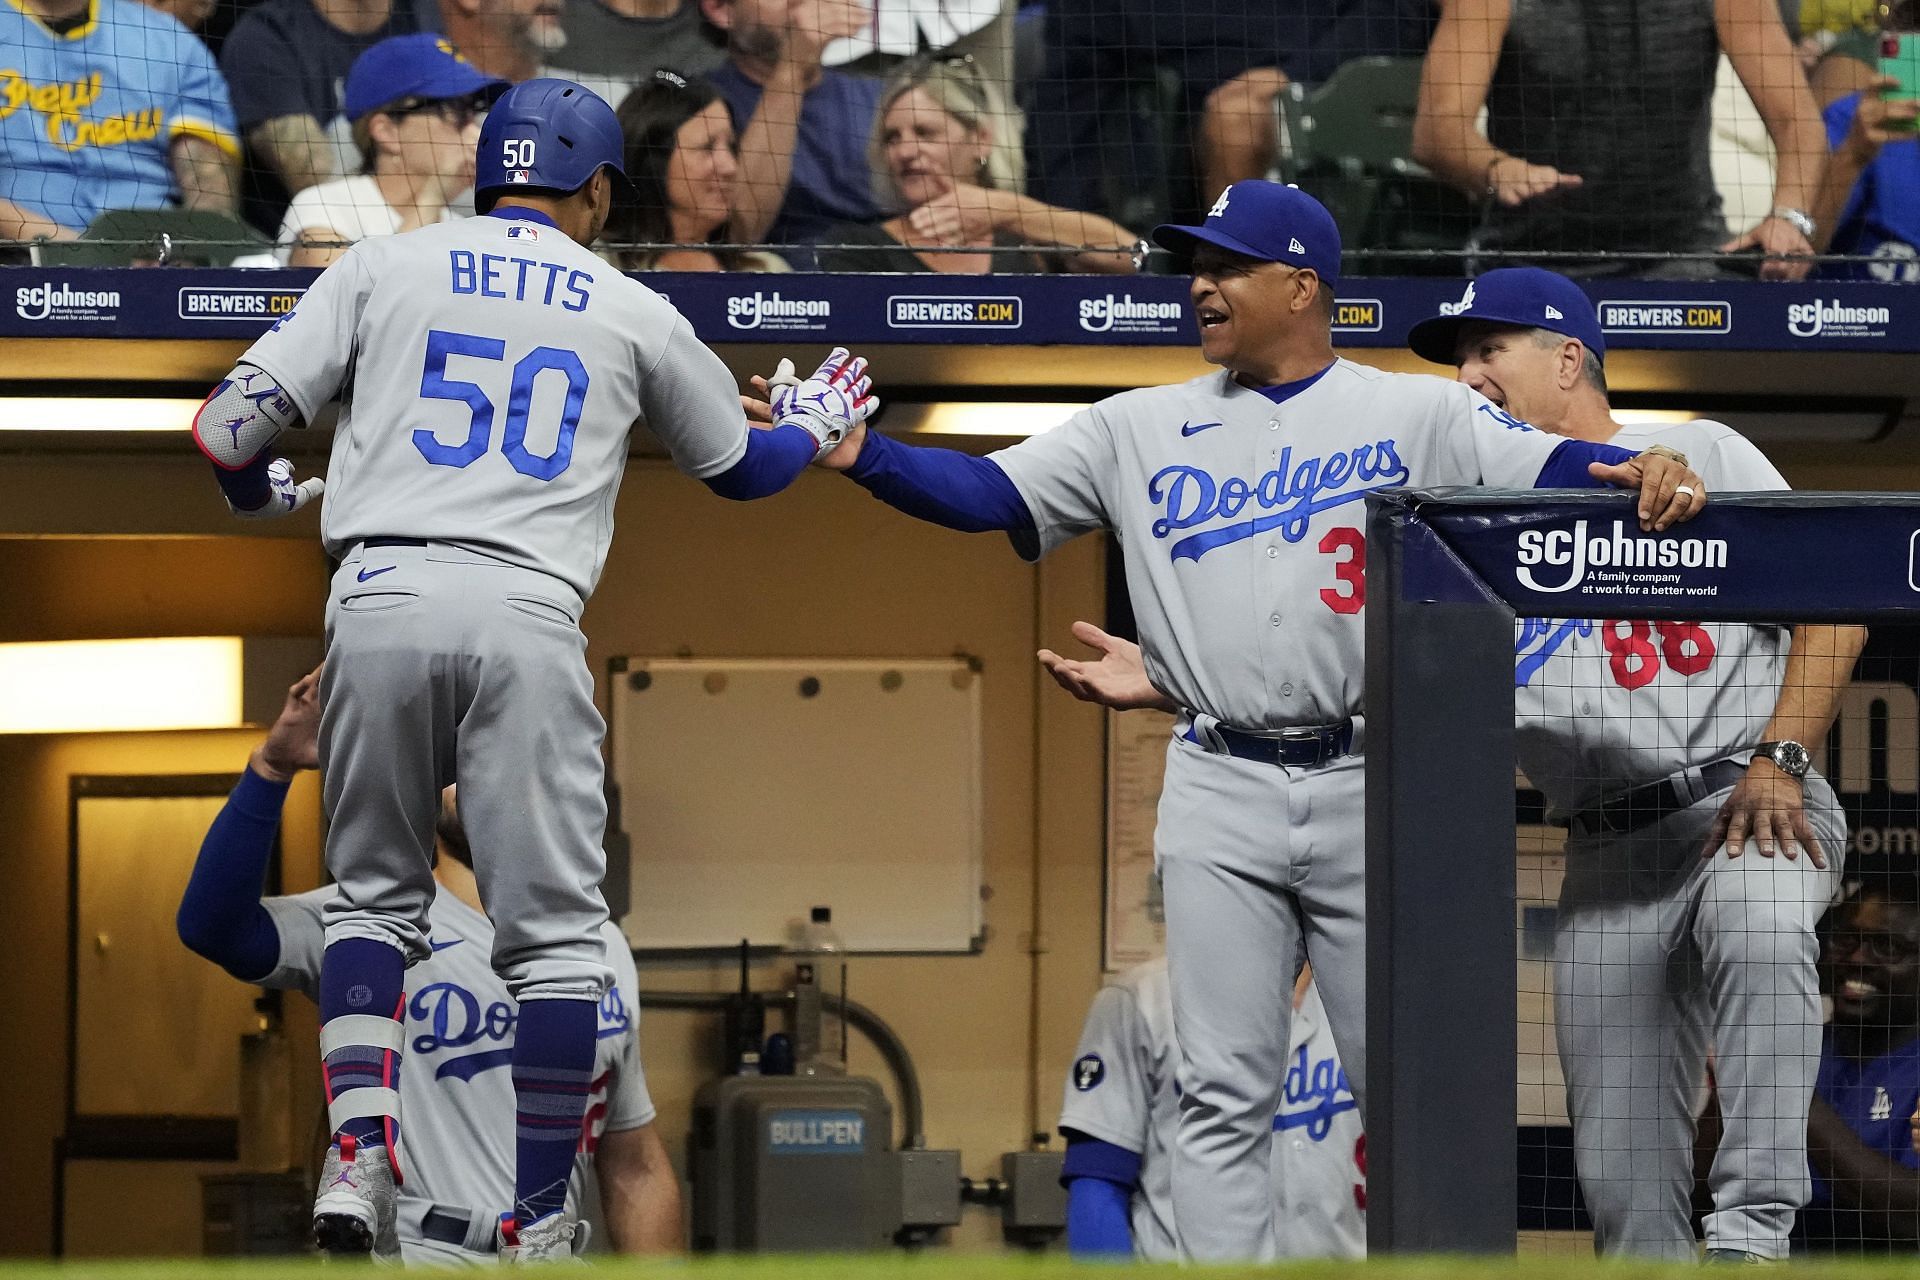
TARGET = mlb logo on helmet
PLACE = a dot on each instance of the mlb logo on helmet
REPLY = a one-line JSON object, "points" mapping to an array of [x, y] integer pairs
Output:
{"points": [[519, 177]]}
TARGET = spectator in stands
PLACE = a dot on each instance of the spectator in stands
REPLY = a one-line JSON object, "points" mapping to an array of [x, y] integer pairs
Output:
{"points": [[803, 128], [106, 104], [1598, 115], [512, 39], [1869, 201], [1095, 150], [286, 61], [614, 46], [1860, 1136], [415, 105], [946, 149], [684, 170]]}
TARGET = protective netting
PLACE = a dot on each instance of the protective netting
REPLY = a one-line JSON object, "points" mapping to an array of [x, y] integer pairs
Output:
{"points": [[971, 136], [1717, 1052]]}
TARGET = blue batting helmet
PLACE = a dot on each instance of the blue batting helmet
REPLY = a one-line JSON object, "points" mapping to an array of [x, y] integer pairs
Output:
{"points": [[550, 135]]}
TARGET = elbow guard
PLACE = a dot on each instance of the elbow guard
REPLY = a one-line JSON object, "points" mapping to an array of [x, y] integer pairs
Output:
{"points": [[242, 416]]}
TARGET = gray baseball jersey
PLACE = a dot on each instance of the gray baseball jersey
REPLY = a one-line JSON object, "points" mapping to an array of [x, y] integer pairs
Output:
{"points": [[1605, 705], [1122, 1090], [1661, 955], [1244, 527], [489, 371], [456, 1091], [1244, 521]]}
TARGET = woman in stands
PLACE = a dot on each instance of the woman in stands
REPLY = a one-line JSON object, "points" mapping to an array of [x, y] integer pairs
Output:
{"points": [[415, 105], [946, 151], [682, 158]]}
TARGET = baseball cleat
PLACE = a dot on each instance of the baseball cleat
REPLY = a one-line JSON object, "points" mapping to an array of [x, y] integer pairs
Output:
{"points": [[353, 1214], [558, 1237]]}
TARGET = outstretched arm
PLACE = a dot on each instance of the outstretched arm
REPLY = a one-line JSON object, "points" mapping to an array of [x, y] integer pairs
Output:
{"points": [[1117, 678], [221, 916]]}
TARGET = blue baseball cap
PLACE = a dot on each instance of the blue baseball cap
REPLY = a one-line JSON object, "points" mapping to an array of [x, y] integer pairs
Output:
{"points": [[1528, 297], [1264, 220], [415, 66]]}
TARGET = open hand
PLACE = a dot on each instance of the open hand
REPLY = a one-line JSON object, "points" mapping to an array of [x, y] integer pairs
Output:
{"points": [[1769, 807], [1117, 678]]}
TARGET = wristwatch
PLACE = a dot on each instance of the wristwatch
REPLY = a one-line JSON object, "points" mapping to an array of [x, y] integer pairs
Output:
{"points": [[1787, 755], [1798, 219]]}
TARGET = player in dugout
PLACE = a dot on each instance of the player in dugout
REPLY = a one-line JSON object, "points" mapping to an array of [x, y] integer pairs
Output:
{"points": [[1239, 495], [457, 1095]]}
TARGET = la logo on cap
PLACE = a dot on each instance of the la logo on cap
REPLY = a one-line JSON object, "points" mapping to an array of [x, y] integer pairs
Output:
{"points": [[1220, 205], [1553, 313]]}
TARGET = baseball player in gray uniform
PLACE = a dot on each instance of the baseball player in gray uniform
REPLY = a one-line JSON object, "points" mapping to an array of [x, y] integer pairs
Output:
{"points": [[1702, 848], [1238, 498], [489, 372], [456, 1093], [1122, 1112]]}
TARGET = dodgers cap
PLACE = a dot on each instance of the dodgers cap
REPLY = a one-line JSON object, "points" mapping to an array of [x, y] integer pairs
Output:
{"points": [[1265, 220], [1528, 297]]}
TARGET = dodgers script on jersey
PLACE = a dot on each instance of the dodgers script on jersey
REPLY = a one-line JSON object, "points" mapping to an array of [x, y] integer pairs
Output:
{"points": [[1122, 1090], [489, 372], [1244, 521], [1605, 705], [456, 1094]]}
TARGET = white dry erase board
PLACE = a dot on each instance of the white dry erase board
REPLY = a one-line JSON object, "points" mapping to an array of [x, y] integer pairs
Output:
{"points": [[756, 788]]}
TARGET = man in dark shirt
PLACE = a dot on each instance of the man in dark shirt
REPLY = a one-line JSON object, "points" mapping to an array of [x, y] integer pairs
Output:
{"points": [[803, 128], [286, 65], [1866, 1173]]}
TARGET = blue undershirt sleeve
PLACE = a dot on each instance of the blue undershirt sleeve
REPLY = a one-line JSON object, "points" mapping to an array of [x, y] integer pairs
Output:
{"points": [[773, 460], [1100, 1178], [944, 486], [1567, 465], [221, 917], [247, 489]]}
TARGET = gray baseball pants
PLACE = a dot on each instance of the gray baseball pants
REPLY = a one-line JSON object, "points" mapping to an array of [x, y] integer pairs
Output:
{"points": [[1659, 956], [447, 665]]}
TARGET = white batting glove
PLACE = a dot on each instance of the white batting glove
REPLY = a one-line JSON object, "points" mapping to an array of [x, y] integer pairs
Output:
{"points": [[837, 398], [287, 496]]}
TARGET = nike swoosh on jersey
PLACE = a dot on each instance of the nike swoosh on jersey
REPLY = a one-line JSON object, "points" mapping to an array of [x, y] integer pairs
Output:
{"points": [[442, 946], [374, 573], [1195, 428]]}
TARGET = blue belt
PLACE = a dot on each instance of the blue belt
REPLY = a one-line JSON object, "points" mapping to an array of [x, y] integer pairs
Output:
{"points": [[449, 1225], [394, 542], [1293, 748], [1643, 806]]}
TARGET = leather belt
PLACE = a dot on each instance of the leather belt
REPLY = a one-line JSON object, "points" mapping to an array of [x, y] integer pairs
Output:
{"points": [[1645, 805], [449, 1224], [1293, 748]]}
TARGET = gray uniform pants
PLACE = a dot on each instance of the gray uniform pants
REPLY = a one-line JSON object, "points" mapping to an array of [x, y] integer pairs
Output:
{"points": [[1257, 863], [1660, 956], [445, 665]]}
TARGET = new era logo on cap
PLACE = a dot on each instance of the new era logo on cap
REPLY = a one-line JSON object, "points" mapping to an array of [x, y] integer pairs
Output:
{"points": [[1553, 313], [1294, 245]]}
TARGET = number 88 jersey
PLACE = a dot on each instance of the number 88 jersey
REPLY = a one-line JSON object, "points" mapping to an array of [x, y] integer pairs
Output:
{"points": [[1607, 704], [489, 372]]}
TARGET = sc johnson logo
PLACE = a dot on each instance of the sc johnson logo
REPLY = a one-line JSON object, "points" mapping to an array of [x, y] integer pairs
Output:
{"points": [[59, 302], [1618, 562], [1834, 320], [237, 304], [1126, 315], [916, 311], [1358, 315], [1661, 316], [758, 310]]}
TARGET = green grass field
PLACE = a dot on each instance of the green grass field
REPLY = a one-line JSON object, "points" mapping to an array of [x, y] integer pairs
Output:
{"points": [[987, 1267]]}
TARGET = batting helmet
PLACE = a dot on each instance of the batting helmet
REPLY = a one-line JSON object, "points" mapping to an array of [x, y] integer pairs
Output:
{"points": [[549, 135]]}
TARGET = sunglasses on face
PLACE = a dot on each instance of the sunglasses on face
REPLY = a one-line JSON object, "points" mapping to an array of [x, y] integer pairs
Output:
{"points": [[458, 112]]}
